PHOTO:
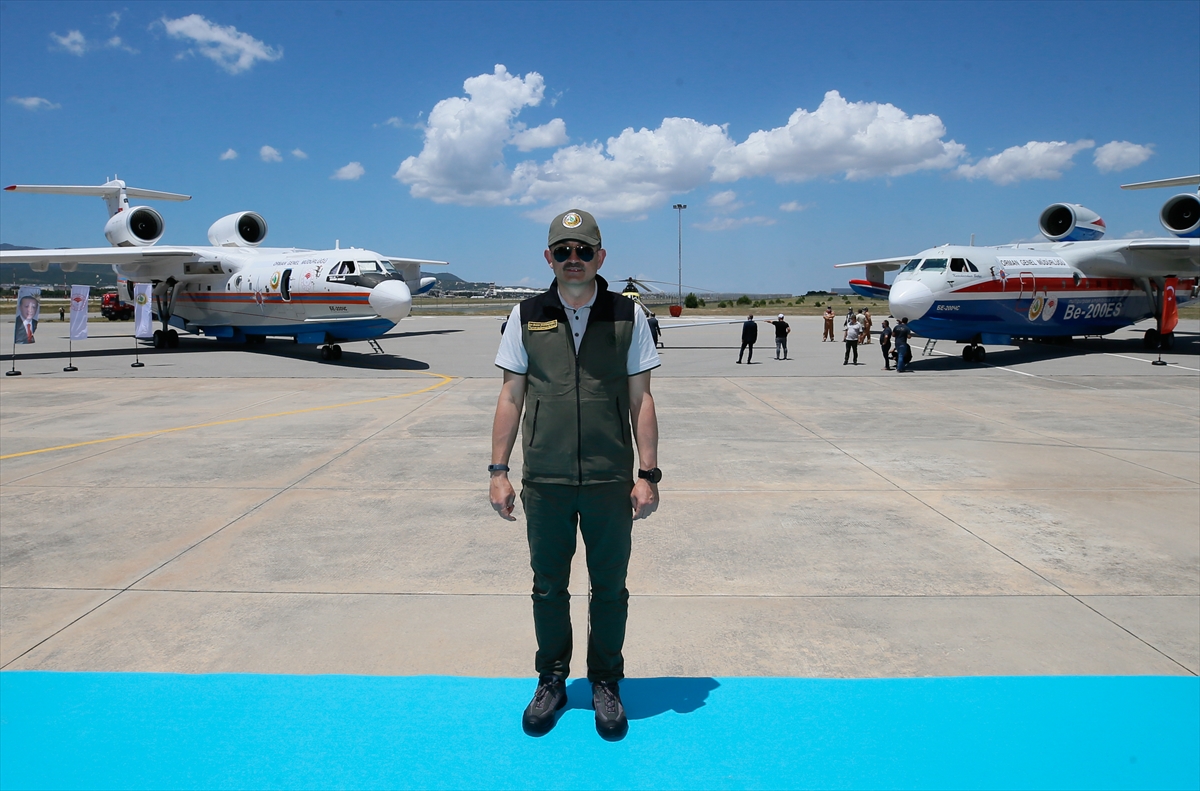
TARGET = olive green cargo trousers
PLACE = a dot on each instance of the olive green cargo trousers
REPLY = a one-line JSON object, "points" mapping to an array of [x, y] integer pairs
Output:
{"points": [[605, 518]]}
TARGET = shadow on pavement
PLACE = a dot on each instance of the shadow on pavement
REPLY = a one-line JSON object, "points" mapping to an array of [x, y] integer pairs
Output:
{"points": [[649, 697]]}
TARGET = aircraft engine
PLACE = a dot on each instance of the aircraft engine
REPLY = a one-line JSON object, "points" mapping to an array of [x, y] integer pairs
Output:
{"points": [[136, 227], [1070, 222], [1181, 215], [244, 229]]}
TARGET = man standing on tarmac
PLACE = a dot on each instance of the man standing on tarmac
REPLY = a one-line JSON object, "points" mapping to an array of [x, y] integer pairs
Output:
{"points": [[577, 359], [781, 332], [749, 336], [827, 335], [901, 335]]}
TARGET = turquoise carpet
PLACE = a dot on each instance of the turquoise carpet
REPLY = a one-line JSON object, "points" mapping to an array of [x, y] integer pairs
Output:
{"points": [[135, 730]]}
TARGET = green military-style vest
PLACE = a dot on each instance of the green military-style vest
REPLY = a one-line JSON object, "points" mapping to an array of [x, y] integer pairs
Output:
{"points": [[576, 428]]}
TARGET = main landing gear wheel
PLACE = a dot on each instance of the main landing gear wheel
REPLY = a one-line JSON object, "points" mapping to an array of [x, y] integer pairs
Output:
{"points": [[331, 352], [1166, 341], [172, 339], [1150, 339], [980, 354], [160, 339], [974, 354]]}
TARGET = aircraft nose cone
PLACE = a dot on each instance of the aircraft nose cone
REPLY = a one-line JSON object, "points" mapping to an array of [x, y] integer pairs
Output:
{"points": [[391, 299], [910, 299]]}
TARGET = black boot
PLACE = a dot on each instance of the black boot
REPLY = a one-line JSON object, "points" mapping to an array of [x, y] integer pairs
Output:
{"points": [[611, 722], [542, 712]]}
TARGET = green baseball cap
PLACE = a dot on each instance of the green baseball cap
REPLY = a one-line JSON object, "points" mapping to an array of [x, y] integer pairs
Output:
{"points": [[576, 225]]}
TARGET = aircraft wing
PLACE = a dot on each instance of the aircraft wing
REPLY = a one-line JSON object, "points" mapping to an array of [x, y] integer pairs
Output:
{"points": [[884, 264], [394, 261], [102, 255]]}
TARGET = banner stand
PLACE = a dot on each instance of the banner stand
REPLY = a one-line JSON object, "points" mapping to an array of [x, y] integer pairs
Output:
{"points": [[137, 361], [70, 357], [14, 371]]}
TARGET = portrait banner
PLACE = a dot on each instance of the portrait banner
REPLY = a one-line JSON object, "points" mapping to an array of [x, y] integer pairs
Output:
{"points": [[143, 319], [79, 312], [29, 312]]}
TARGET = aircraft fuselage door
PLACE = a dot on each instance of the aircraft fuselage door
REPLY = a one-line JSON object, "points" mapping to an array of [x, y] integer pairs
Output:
{"points": [[285, 285]]}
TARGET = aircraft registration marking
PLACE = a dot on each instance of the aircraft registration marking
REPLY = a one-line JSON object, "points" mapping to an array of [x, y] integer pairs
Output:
{"points": [[1092, 310]]}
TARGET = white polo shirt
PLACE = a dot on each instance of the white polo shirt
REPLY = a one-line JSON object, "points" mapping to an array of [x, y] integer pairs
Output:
{"points": [[643, 354]]}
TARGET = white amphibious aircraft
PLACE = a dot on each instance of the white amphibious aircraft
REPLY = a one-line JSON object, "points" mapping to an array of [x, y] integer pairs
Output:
{"points": [[1074, 284], [236, 290]]}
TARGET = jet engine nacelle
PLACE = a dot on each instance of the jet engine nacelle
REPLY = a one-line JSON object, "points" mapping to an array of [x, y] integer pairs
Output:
{"points": [[1070, 222], [136, 227], [1181, 215], [244, 229]]}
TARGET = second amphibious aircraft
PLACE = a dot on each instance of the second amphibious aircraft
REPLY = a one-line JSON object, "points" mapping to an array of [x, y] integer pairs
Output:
{"points": [[1075, 283]]}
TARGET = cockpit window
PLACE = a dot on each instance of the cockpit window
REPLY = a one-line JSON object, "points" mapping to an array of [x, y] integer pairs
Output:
{"points": [[958, 265], [344, 268], [910, 266], [970, 265], [934, 265], [368, 266], [387, 267]]}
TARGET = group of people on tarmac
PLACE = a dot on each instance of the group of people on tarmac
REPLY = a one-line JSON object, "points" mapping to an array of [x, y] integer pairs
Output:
{"points": [[856, 331]]}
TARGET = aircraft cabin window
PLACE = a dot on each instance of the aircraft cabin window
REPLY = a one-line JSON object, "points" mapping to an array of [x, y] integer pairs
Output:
{"points": [[958, 265], [934, 265], [970, 265], [910, 266]]}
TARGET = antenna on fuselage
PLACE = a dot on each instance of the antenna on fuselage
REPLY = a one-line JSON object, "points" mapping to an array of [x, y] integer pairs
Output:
{"points": [[972, 240]]}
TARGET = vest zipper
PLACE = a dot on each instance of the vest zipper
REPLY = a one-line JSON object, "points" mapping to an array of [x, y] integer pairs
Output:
{"points": [[578, 407]]}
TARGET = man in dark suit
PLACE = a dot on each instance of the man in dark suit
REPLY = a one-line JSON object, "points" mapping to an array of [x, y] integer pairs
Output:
{"points": [[749, 336]]}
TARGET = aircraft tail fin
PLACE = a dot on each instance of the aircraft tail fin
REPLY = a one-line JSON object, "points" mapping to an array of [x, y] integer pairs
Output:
{"points": [[115, 193]]}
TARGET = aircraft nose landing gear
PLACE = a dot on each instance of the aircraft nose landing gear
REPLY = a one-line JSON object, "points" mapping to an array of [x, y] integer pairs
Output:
{"points": [[331, 352]]}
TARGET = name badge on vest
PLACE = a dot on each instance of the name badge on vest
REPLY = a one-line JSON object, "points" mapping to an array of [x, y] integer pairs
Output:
{"points": [[538, 326]]}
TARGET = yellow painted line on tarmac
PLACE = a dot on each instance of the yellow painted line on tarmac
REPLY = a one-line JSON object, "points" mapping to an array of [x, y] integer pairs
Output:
{"points": [[444, 380]]}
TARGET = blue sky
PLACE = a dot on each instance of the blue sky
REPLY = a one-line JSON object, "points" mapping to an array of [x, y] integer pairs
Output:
{"points": [[800, 135]]}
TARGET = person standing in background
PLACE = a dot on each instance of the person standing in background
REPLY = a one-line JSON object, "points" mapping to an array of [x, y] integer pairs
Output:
{"points": [[900, 336], [781, 332], [827, 335], [885, 345], [851, 334], [749, 336], [866, 325]]}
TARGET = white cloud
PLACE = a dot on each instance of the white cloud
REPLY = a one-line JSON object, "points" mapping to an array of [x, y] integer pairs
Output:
{"points": [[795, 206], [228, 47], [1034, 160], [298, 154], [228, 155], [393, 122], [269, 154], [114, 19], [116, 43], [859, 139], [462, 160], [723, 200], [631, 173], [1121, 155], [74, 42], [732, 223], [34, 103], [547, 135], [352, 172], [1137, 235]]}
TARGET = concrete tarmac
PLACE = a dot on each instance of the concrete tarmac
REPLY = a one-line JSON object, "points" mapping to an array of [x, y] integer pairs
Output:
{"points": [[252, 509]]}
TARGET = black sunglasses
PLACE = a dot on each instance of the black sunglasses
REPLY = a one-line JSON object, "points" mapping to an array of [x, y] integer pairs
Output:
{"points": [[563, 252]]}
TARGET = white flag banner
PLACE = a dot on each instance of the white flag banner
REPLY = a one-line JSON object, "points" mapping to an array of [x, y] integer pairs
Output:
{"points": [[79, 312], [143, 320], [29, 312]]}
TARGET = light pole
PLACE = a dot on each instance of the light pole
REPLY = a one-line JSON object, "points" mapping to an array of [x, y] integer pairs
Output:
{"points": [[679, 207]]}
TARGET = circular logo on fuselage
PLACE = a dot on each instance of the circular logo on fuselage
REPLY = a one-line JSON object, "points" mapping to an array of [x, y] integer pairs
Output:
{"points": [[572, 220], [1035, 308], [1049, 308], [274, 279]]}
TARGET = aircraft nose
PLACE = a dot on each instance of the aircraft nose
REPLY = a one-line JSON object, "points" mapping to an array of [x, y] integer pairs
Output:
{"points": [[910, 299], [391, 299]]}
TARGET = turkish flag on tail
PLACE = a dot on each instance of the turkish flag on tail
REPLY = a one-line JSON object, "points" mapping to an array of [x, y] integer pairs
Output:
{"points": [[1170, 311]]}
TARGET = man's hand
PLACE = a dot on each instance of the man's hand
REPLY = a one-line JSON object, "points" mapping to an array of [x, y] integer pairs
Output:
{"points": [[503, 498], [643, 498]]}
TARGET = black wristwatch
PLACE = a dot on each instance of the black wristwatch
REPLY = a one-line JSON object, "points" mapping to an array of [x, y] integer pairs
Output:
{"points": [[497, 468], [654, 475]]}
